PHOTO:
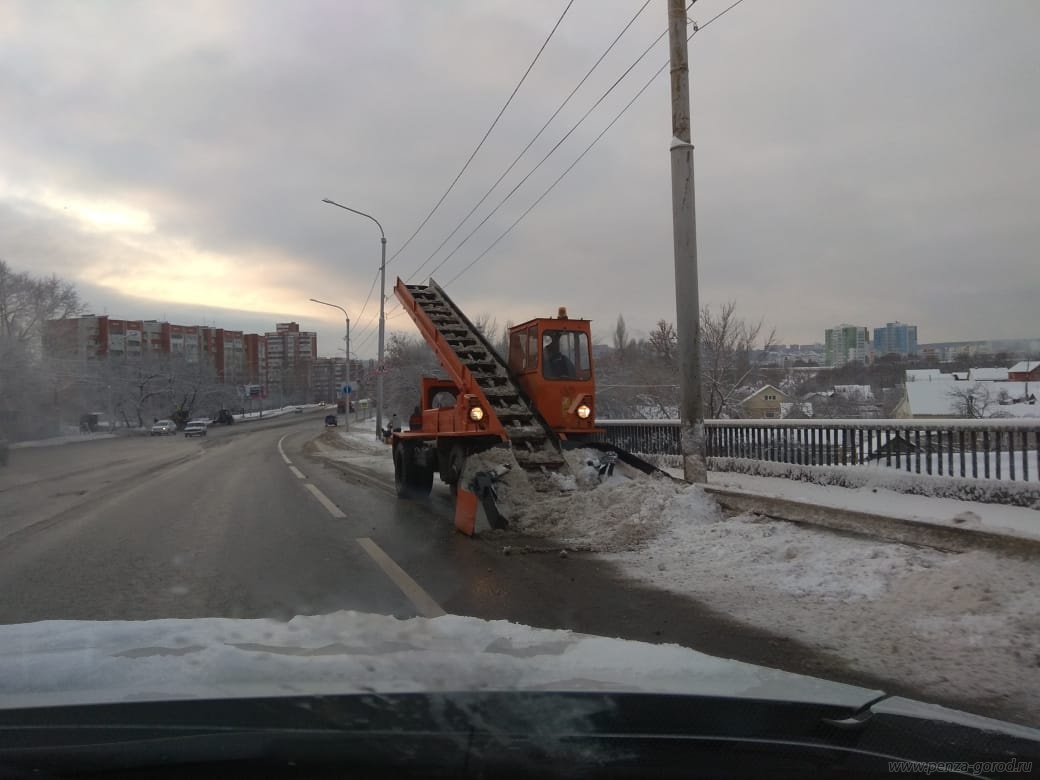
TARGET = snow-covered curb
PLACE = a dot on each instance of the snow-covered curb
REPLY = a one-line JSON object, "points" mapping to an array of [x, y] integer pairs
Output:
{"points": [[1024, 494], [929, 511]]}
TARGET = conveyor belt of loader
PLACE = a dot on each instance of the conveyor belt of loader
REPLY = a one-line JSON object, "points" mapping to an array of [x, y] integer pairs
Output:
{"points": [[535, 446]]}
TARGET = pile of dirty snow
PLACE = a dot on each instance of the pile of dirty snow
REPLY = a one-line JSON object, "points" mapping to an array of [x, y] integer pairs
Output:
{"points": [[581, 510]]}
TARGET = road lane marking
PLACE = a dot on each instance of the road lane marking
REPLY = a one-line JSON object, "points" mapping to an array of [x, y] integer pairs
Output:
{"points": [[281, 451], [299, 474], [421, 600], [334, 510]]}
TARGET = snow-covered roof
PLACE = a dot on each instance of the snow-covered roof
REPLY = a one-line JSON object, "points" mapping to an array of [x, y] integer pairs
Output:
{"points": [[926, 375], [988, 375], [763, 389], [933, 398], [1025, 366]]}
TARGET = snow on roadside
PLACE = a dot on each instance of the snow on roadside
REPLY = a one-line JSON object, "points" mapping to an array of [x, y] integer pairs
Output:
{"points": [[357, 447], [56, 440], [958, 625], [963, 626], [577, 511]]}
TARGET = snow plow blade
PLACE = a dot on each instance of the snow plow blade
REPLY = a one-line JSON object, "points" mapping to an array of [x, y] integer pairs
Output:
{"points": [[624, 456]]}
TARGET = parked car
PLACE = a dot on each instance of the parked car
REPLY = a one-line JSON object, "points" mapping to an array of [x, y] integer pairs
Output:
{"points": [[196, 428], [330, 419], [164, 427], [298, 410]]}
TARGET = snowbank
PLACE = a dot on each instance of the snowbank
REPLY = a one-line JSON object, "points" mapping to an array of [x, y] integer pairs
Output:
{"points": [[56, 440], [1023, 494], [961, 625], [579, 512], [357, 447]]}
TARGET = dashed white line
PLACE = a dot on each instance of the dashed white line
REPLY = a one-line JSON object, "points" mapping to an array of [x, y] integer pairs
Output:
{"points": [[413, 591], [324, 500], [281, 451]]}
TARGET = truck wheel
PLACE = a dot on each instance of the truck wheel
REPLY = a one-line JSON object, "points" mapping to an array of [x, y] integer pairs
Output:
{"points": [[421, 481], [456, 464], [410, 479]]}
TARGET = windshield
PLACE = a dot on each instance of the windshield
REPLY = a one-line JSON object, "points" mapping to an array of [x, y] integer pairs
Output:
{"points": [[565, 355], [333, 332]]}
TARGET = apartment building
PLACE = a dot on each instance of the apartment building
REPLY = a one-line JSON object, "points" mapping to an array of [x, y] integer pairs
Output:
{"points": [[846, 344], [895, 338], [280, 359]]}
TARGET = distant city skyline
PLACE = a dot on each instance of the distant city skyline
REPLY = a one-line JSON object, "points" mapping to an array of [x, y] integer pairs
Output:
{"points": [[330, 337]]}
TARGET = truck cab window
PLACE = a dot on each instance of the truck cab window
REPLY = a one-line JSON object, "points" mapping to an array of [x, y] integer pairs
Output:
{"points": [[565, 355]]}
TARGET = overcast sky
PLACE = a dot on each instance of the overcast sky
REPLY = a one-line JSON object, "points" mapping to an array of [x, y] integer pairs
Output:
{"points": [[855, 162]]}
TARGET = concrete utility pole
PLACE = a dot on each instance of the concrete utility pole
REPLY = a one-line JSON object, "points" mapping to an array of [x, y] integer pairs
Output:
{"points": [[684, 232], [382, 331]]}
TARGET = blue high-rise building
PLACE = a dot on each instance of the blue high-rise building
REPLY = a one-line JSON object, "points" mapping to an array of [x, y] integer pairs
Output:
{"points": [[895, 338]]}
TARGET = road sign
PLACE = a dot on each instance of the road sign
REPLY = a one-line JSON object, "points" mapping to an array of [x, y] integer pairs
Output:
{"points": [[347, 389]]}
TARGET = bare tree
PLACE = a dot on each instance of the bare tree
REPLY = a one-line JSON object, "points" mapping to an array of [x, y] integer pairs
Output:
{"points": [[972, 401], [663, 342], [28, 401], [408, 359], [621, 339], [728, 356], [26, 303], [487, 325], [503, 343]]}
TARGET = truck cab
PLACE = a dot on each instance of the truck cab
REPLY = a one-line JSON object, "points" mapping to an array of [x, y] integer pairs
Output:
{"points": [[551, 360]]}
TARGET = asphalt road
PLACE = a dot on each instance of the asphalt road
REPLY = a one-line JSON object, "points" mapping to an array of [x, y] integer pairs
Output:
{"points": [[248, 523]]}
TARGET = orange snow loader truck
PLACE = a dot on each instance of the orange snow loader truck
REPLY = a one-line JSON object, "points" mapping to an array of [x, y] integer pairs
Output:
{"points": [[535, 403]]}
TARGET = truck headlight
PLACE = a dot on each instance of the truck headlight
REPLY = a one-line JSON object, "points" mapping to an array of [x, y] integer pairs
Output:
{"points": [[476, 414], [584, 411]]}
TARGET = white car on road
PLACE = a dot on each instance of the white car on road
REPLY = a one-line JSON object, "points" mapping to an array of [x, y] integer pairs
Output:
{"points": [[196, 428], [163, 427]]}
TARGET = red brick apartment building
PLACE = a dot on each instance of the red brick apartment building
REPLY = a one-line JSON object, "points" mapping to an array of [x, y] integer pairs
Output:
{"points": [[280, 359]]}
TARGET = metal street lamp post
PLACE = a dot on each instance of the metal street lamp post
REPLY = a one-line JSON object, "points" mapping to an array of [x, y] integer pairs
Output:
{"points": [[346, 369], [382, 311]]}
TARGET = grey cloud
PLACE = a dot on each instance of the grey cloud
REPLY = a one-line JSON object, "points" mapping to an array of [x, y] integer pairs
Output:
{"points": [[854, 162]]}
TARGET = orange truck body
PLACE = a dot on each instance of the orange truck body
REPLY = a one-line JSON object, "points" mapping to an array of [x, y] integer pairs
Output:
{"points": [[542, 392]]}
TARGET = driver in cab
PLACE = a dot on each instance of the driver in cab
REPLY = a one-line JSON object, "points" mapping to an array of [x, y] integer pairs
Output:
{"points": [[555, 364]]}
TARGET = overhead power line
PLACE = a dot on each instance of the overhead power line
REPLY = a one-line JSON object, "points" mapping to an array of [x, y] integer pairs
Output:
{"points": [[530, 143], [559, 143], [628, 105], [482, 140], [369, 296]]}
